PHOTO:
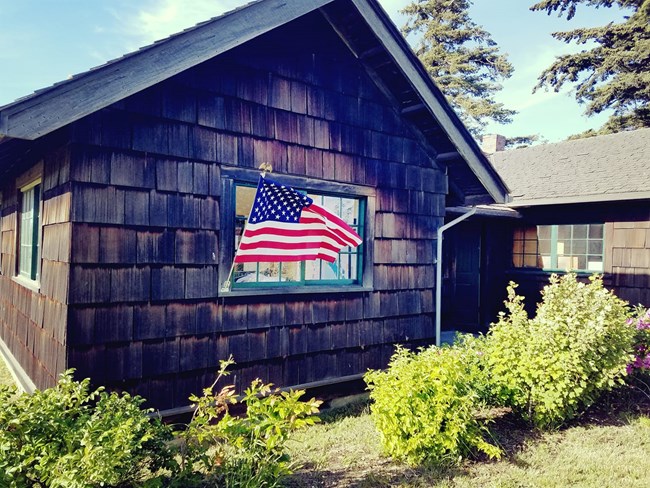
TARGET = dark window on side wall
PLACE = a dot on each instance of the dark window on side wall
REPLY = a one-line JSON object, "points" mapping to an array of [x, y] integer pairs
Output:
{"points": [[577, 247], [346, 270]]}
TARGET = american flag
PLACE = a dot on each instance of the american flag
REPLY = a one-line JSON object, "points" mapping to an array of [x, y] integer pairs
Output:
{"points": [[285, 225]]}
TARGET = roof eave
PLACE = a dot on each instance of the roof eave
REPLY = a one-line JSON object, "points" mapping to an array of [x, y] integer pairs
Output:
{"points": [[62, 104], [599, 198], [433, 98], [44, 112]]}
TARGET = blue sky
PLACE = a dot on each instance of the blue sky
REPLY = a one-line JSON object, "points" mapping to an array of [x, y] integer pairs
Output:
{"points": [[45, 41]]}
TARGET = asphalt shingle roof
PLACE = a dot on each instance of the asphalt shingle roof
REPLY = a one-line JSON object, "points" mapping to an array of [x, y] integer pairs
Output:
{"points": [[603, 168]]}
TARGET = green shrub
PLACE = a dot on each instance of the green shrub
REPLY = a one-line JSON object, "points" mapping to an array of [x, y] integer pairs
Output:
{"points": [[425, 405], [69, 436], [641, 323], [551, 367], [242, 451]]}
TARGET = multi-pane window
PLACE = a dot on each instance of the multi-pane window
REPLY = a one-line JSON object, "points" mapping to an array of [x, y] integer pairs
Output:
{"points": [[578, 247], [346, 270], [28, 253]]}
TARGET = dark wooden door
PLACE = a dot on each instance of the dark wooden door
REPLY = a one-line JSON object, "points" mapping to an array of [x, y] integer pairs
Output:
{"points": [[467, 290]]}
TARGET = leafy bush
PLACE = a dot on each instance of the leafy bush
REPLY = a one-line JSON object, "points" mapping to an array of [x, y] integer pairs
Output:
{"points": [[641, 324], [247, 450], [425, 405], [69, 436], [551, 367]]}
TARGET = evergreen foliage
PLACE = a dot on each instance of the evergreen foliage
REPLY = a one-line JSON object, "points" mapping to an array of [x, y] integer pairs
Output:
{"points": [[461, 58], [615, 73]]}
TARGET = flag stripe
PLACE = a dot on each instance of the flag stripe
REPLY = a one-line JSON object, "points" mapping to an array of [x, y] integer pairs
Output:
{"points": [[311, 234], [334, 224], [261, 242]]}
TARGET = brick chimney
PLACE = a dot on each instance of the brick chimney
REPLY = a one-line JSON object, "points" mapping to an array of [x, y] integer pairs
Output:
{"points": [[491, 143]]}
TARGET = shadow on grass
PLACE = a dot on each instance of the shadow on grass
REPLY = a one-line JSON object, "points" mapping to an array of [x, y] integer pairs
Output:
{"points": [[508, 431], [355, 409], [386, 475]]}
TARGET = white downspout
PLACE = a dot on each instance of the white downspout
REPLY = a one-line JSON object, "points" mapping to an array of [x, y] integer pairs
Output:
{"points": [[471, 212]]}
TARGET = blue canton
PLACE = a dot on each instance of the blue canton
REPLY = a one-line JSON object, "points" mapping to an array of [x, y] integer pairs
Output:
{"points": [[278, 203]]}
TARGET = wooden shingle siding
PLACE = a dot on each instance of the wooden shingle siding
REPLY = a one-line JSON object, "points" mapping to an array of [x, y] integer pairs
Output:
{"points": [[33, 322], [146, 212], [628, 260]]}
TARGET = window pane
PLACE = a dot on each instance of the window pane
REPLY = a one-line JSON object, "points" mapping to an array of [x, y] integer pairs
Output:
{"points": [[545, 247], [350, 211], [563, 247], [595, 247], [29, 229], [333, 204], [565, 263], [323, 270], [269, 272], [582, 262], [579, 247], [245, 273], [312, 270], [564, 232], [348, 266], [531, 234], [596, 231], [530, 260], [244, 197], [544, 231], [595, 263], [530, 247], [518, 260], [518, 247], [579, 231], [329, 271]]}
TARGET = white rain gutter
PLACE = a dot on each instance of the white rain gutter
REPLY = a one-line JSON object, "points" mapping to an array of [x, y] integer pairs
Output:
{"points": [[458, 220]]}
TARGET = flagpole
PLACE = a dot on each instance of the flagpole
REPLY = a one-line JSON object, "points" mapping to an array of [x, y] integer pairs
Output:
{"points": [[227, 285]]}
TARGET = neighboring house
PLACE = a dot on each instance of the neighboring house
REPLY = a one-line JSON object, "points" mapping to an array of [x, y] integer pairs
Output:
{"points": [[123, 190], [582, 205]]}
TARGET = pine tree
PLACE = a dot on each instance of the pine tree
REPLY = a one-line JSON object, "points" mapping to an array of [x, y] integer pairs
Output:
{"points": [[462, 59], [615, 73]]}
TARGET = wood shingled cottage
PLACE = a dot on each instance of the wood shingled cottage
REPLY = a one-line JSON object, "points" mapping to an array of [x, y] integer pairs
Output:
{"points": [[581, 204], [124, 189]]}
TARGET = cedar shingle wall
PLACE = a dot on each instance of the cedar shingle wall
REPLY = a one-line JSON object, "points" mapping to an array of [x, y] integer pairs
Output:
{"points": [[33, 324], [146, 180], [629, 260]]}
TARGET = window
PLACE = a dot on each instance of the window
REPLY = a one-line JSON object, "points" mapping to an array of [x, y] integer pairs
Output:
{"points": [[29, 231], [578, 247], [346, 270]]}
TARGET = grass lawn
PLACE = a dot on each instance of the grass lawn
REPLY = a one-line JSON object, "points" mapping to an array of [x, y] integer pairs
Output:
{"points": [[5, 375], [609, 448]]}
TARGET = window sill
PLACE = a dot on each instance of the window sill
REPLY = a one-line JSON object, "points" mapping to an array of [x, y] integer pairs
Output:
{"points": [[32, 285], [548, 272], [298, 290]]}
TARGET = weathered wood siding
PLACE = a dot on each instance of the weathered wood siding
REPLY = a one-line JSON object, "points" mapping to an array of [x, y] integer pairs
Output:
{"points": [[627, 252], [628, 260], [146, 212], [33, 323]]}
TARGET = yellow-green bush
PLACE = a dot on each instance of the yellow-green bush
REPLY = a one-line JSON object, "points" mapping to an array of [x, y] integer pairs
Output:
{"points": [[549, 368], [425, 405]]}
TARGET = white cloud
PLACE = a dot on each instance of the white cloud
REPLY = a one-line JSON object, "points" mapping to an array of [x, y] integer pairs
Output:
{"points": [[156, 20]]}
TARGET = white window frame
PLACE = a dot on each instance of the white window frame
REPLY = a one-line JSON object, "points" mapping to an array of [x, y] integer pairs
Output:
{"points": [[29, 276]]}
